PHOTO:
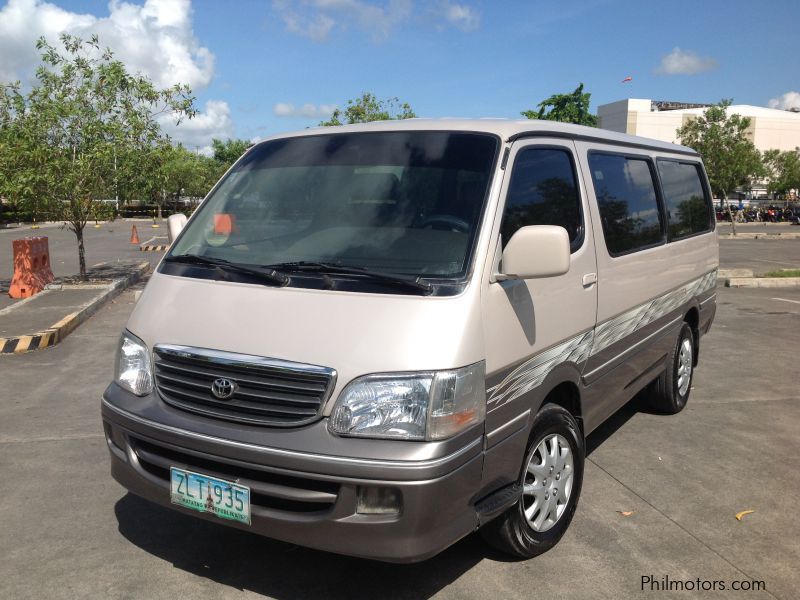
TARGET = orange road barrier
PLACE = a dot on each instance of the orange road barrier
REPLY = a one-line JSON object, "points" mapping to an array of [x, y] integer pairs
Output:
{"points": [[134, 235], [31, 267]]}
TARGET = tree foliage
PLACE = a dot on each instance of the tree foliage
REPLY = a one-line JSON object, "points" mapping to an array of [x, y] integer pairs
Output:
{"points": [[567, 108], [227, 152], [369, 108], [731, 160], [84, 131], [178, 172], [782, 171]]}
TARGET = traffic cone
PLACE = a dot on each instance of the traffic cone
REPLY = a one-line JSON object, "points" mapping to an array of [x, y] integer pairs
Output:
{"points": [[134, 235]]}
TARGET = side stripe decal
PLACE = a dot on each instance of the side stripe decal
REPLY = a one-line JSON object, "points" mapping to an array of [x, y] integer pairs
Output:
{"points": [[532, 372], [578, 349], [613, 330]]}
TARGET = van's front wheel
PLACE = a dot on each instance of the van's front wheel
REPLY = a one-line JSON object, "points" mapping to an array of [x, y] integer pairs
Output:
{"points": [[670, 391], [551, 481]]}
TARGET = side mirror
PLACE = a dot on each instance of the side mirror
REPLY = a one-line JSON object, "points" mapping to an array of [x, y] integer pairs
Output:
{"points": [[536, 251], [174, 225]]}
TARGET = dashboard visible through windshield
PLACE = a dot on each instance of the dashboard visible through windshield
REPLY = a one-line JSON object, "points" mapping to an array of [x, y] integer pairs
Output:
{"points": [[407, 204]]}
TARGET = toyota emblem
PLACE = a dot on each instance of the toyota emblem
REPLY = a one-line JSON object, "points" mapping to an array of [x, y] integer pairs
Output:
{"points": [[223, 388]]}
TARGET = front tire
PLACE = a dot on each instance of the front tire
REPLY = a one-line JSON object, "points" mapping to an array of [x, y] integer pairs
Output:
{"points": [[551, 480], [671, 390]]}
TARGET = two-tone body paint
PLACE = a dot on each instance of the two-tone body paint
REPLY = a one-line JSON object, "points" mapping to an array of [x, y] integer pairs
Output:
{"points": [[605, 327]]}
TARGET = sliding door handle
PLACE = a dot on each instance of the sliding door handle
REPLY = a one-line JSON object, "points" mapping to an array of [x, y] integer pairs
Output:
{"points": [[589, 279]]}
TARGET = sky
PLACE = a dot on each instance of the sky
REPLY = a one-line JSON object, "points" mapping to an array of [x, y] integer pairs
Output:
{"points": [[259, 68]]}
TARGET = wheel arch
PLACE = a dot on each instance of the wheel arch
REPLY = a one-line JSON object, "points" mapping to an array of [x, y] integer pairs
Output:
{"points": [[562, 387], [692, 318]]}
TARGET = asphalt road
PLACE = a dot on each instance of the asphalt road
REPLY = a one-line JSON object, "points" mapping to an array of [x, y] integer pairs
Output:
{"points": [[67, 530]]}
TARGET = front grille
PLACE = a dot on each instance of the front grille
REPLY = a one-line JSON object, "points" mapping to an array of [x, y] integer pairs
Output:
{"points": [[267, 489], [265, 391]]}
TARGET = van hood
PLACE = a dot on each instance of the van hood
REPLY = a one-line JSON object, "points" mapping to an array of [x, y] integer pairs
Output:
{"points": [[355, 333]]}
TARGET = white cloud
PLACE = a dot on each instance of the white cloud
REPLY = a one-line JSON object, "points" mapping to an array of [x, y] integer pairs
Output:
{"points": [[316, 27], [214, 121], [789, 101], [155, 38], [685, 62], [317, 19], [308, 110], [461, 16]]}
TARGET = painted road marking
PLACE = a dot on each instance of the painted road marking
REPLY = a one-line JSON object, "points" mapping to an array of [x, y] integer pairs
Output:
{"points": [[774, 262], [153, 239], [787, 300]]}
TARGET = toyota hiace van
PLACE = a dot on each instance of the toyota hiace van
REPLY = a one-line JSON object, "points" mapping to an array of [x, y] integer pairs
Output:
{"points": [[376, 339]]}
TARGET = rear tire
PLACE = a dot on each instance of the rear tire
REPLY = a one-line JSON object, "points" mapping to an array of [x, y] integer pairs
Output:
{"points": [[670, 391], [551, 477]]}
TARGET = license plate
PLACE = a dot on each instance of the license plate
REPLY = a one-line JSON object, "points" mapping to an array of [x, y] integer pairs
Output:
{"points": [[202, 493]]}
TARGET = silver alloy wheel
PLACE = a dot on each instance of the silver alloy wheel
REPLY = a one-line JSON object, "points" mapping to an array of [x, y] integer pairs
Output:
{"points": [[684, 366], [548, 482]]}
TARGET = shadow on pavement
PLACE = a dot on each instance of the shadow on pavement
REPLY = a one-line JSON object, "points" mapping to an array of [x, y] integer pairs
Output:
{"points": [[247, 561], [638, 404]]}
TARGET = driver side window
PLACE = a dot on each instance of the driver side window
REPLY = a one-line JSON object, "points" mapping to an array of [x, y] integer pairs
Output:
{"points": [[543, 191]]}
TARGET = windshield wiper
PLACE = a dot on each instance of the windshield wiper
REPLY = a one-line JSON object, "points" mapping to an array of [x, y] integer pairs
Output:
{"points": [[265, 274], [417, 284]]}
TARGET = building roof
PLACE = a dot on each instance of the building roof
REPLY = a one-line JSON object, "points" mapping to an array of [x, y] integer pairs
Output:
{"points": [[507, 129], [748, 110]]}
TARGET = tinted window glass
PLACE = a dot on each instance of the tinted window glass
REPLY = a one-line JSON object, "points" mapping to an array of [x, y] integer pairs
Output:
{"points": [[543, 191], [688, 209], [626, 196], [395, 202]]}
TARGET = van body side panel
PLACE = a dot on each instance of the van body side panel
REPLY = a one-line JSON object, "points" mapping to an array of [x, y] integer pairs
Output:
{"points": [[506, 444], [640, 296], [708, 309], [531, 327]]}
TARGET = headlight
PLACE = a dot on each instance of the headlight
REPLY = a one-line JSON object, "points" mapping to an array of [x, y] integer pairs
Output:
{"points": [[132, 370], [433, 405]]}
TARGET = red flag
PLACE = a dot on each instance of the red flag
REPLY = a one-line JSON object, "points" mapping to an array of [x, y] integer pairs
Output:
{"points": [[627, 79]]}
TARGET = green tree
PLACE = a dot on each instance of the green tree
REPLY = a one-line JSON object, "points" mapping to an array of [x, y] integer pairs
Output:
{"points": [[567, 108], [178, 172], [368, 108], [782, 171], [21, 157], [228, 152], [731, 160], [82, 113]]}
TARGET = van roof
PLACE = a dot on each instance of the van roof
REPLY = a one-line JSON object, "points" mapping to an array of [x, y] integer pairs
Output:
{"points": [[507, 129]]}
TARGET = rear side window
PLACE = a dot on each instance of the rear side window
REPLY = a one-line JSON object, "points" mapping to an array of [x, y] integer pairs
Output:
{"points": [[543, 191], [688, 206], [626, 197]]}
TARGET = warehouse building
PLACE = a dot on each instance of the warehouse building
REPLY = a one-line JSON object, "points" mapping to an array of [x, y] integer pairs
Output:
{"points": [[770, 128]]}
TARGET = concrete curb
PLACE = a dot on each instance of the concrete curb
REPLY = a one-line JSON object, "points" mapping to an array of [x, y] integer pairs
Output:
{"points": [[759, 236], [57, 332], [762, 282], [153, 247]]}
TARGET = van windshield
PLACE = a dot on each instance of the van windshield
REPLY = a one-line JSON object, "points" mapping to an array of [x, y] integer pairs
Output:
{"points": [[402, 203]]}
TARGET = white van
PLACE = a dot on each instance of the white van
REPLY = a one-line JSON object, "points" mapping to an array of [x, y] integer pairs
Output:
{"points": [[377, 339]]}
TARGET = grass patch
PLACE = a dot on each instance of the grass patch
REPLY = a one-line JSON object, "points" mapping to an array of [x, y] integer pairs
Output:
{"points": [[784, 273]]}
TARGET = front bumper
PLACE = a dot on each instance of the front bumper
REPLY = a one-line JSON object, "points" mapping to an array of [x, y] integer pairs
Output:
{"points": [[305, 498]]}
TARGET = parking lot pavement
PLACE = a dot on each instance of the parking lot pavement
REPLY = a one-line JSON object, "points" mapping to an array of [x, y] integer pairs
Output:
{"points": [[761, 256], [108, 243], [69, 531]]}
